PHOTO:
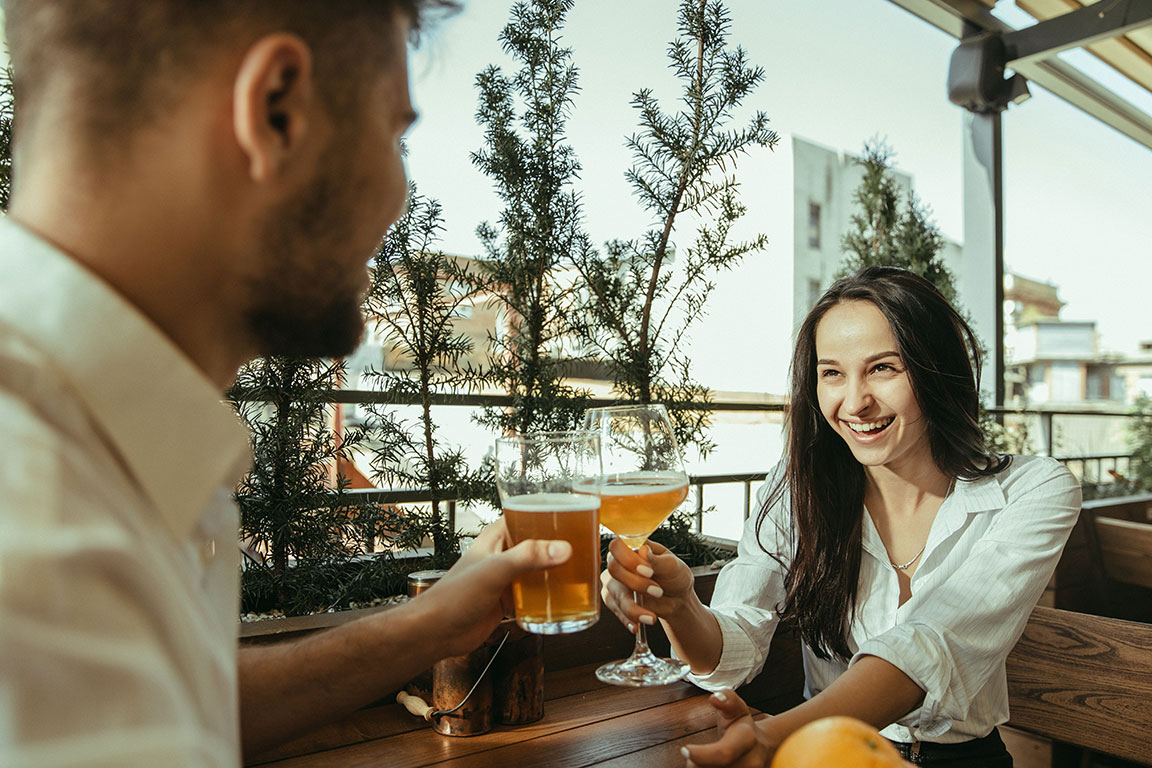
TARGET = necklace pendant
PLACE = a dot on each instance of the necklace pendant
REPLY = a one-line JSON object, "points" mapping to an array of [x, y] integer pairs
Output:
{"points": [[909, 563]]}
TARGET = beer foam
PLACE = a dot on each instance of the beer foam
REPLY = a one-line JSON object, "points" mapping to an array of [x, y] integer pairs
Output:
{"points": [[551, 502]]}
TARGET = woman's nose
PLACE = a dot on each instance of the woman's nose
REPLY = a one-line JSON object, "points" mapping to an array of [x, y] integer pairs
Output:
{"points": [[859, 397]]}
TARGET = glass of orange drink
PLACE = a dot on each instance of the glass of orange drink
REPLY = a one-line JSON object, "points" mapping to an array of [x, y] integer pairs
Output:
{"points": [[643, 483], [548, 484]]}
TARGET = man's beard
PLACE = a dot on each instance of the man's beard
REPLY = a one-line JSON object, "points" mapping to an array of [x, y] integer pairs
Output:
{"points": [[306, 330], [301, 304]]}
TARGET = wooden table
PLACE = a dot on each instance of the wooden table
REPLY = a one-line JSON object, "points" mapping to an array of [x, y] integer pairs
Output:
{"points": [[585, 723]]}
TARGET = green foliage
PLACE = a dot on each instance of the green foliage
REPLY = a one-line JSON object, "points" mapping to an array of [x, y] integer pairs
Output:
{"points": [[303, 529], [1140, 442], [416, 293], [1004, 438], [7, 115], [678, 535], [886, 233], [540, 230], [637, 307]]}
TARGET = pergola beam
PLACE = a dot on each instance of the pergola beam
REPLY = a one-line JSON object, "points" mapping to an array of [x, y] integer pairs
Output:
{"points": [[964, 18], [1075, 29]]}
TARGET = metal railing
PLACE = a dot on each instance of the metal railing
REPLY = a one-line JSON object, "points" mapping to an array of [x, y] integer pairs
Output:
{"points": [[1089, 467]]}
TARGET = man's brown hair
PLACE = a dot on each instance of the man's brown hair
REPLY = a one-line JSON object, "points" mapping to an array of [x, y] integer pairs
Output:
{"points": [[123, 63]]}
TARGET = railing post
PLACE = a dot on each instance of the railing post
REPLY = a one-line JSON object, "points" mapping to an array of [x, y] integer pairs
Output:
{"points": [[699, 507], [1046, 433], [747, 498]]}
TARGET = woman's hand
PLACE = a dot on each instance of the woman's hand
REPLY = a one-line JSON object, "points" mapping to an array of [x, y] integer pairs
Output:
{"points": [[663, 580], [742, 744]]}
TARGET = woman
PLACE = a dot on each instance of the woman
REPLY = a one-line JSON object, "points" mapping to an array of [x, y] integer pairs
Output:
{"points": [[907, 555]]}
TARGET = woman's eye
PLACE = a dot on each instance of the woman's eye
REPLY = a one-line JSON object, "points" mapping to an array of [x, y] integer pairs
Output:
{"points": [[828, 373]]}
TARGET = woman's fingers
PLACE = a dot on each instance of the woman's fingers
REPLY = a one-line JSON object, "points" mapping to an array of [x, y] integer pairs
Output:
{"points": [[738, 747], [729, 708], [633, 573], [619, 600]]}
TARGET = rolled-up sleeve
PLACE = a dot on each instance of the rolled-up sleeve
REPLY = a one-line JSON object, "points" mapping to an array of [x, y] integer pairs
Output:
{"points": [[958, 634], [747, 592]]}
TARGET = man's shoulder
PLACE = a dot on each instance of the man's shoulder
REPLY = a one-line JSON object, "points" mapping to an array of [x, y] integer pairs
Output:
{"points": [[36, 402], [51, 451]]}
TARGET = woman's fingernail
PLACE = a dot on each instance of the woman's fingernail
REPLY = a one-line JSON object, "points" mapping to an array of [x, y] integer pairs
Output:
{"points": [[645, 571], [632, 628], [685, 753], [648, 619], [558, 549], [655, 591], [720, 697]]}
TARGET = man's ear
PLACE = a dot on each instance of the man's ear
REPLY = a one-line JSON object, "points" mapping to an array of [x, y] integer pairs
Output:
{"points": [[273, 96]]}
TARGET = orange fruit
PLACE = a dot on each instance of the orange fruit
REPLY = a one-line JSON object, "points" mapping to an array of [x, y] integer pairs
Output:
{"points": [[837, 742]]}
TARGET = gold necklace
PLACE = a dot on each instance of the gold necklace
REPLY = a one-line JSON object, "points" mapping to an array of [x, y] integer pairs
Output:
{"points": [[951, 485]]}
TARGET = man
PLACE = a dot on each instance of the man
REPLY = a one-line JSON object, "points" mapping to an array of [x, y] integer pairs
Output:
{"points": [[197, 182]]}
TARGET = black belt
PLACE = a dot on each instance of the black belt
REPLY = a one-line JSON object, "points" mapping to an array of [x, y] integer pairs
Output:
{"points": [[928, 752]]}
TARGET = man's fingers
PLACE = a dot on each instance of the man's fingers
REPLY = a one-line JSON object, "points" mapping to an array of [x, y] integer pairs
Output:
{"points": [[535, 554]]}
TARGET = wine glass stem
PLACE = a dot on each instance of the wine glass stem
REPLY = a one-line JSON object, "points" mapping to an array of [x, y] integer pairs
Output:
{"points": [[641, 648]]}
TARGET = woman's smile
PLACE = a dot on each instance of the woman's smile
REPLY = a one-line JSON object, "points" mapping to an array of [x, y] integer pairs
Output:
{"points": [[868, 429]]}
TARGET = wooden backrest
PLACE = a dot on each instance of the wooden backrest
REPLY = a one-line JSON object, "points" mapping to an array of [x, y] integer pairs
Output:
{"points": [[1125, 550], [1084, 680]]}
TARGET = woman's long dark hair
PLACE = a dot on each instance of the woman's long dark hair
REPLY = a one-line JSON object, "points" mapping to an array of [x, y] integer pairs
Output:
{"points": [[824, 481]]}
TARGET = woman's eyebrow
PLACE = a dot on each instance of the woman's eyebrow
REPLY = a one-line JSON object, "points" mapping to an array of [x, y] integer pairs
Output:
{"points": [[869, 359]]}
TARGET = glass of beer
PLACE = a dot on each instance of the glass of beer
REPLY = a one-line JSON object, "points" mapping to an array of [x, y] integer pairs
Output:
{"points": [[548, 484], [644, 482]]}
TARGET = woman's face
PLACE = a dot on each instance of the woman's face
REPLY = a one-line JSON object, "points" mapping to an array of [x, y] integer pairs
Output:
{"points": [[863, 388]]}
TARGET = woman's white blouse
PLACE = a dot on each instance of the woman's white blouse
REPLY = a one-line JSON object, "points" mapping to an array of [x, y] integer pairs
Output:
{"points": [[991, 550]]}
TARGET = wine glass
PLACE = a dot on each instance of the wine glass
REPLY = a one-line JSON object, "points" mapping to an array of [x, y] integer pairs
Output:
{"points": [[643, 482]]}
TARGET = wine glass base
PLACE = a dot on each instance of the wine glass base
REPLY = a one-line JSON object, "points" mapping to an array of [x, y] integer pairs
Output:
{"points": [[643, 671]]}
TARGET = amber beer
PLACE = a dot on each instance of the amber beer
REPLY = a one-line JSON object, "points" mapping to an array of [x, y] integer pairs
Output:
{"points": [[634, 504], [566, 597]]}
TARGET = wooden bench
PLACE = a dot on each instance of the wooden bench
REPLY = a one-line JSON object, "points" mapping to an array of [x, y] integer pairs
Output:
{"points": [[1125, 551], [1084, 681], [1106, 566], [1122, 561]]}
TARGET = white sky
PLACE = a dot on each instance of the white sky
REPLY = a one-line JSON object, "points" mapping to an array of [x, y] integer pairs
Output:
{"points": [[1078, 202]]}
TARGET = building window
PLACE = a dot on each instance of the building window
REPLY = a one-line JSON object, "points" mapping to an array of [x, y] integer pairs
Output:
{"points": [[814, 292], [814, 225]]}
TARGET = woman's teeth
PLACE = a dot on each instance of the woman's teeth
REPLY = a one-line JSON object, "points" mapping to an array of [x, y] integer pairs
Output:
{"points": [[872, 426]]}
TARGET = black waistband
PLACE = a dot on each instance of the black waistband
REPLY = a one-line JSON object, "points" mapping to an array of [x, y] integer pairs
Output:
{"points": [[986, 746]]}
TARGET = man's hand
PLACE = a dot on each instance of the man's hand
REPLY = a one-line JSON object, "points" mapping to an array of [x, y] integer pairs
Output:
{"points": [[471, 599], [741, 744]]}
